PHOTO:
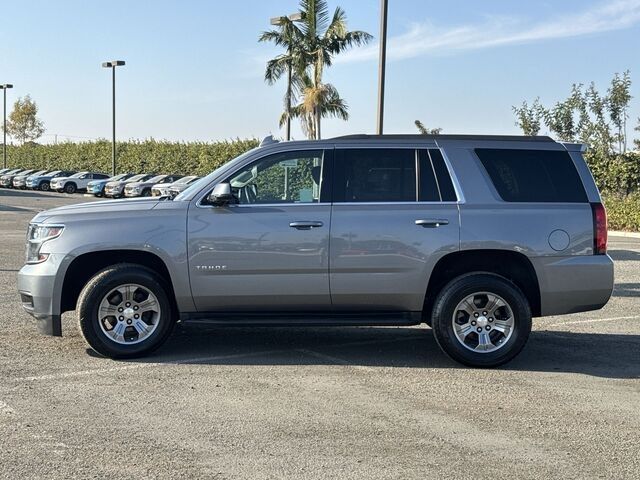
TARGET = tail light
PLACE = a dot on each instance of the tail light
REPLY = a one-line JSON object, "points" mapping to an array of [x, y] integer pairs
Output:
{"points": [[599, 229]]}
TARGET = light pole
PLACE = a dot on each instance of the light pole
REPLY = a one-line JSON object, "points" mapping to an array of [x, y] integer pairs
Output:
{"points": [[294, 17], [4, 88], [112, 65], [384, 4]]}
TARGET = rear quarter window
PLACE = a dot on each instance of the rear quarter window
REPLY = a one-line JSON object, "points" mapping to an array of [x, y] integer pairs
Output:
{"points": [[533, 175]]}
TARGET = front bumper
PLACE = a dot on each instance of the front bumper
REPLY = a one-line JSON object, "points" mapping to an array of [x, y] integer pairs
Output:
{"points": [[39, 289]]}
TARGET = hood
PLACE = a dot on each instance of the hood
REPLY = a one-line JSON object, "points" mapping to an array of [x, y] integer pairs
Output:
{"points": [[97, 182], [117, 183], [90, 209], [137, 184]]}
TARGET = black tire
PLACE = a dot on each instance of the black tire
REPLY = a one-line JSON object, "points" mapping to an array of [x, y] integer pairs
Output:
{"points": [[104, 282], [44, 186], [466, 285], [146, 192], [70, 188]]}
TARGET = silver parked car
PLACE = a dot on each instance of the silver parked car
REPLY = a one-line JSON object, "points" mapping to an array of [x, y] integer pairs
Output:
{"points": [[20, 181], [115, 189], [472, 235], [77, 182], [162, 189], [143, 188], [6, 180]]}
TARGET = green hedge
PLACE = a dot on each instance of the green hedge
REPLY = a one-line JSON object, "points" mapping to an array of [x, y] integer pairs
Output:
{"points": [[193, 158], [623, 213]]}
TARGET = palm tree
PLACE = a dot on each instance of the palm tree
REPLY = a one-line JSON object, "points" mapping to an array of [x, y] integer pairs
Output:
{"points": [[288, 36], [311, 45]]}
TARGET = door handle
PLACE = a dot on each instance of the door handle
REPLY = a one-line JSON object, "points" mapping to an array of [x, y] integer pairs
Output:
{"points": [[305, 225], [431, 223]]}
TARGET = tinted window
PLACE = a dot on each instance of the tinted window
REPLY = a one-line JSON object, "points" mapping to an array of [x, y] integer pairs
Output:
{"points": [[375, 175], [447, 191], [428, 188], [290, 177], [533, 175]]}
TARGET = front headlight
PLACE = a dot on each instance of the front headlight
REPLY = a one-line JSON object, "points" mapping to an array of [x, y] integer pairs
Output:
{"points": [[37, 235]]}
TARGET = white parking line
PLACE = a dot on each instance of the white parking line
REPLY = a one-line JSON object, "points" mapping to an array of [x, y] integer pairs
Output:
{"points": [[593, 320], [213, 358], [81, 373]]}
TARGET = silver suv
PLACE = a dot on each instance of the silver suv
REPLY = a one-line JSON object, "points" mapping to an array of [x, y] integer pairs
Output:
{"points": [[472, 235]]}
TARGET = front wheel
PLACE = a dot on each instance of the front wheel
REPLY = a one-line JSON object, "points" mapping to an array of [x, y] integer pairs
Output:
{"points": [[45, 186], [70, 188], [124, 311], [481, 320]]}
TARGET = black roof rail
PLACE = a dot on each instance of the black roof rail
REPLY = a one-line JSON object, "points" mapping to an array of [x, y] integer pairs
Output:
{"points": [[417, 136]]}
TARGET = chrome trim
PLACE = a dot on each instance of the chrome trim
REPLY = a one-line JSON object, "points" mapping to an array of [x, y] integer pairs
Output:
{"points": [[245, 205], [454, 178], [396, 203]]}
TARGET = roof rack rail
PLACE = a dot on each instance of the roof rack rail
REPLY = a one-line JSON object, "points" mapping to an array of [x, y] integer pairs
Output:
{"points": [[418, 136]]}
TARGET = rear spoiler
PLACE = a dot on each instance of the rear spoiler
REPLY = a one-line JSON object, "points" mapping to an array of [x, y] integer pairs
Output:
{"points": [[575, 147]]}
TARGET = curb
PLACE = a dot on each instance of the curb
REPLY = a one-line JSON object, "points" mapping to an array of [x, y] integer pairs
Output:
{"points": [[614, 233]]}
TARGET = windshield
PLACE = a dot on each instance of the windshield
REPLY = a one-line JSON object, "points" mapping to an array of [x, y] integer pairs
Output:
{"points": [[184, 180], [78, 175], [195, 186], [138, 178], [121, 176], [156, 179]]}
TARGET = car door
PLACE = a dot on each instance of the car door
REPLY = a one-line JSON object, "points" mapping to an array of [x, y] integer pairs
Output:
{"points": [[392, 219], [269, 250]]}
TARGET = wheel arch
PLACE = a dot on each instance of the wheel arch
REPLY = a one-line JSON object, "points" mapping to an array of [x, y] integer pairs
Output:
{"points": [[514, 266], [85, 266]]}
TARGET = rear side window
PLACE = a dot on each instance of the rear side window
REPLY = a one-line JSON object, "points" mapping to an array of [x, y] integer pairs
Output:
{"points": [[375, 175], [445, 185], [533, 175]]}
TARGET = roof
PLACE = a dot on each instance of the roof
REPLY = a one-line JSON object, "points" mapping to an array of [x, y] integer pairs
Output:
{"points": [[414, 137]]}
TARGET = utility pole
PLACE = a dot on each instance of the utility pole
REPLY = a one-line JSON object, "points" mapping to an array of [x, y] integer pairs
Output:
{"points": [[112, 65], [4, 88], [384, 4], [277, 21]]}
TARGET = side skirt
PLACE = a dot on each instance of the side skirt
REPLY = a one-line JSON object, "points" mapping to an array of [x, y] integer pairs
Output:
{"points": [[305, 319]]}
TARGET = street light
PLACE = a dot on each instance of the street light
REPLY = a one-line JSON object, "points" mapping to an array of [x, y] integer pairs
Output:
{"points": [[294, 17], [112, 65], [4, 89], [384, 4]]}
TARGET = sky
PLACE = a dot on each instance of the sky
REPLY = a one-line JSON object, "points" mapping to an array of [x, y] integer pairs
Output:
{"points": [[195, 70]]}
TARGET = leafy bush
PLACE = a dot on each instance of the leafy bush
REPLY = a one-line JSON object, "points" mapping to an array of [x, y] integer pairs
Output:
{"points": [[615, 174], [193, 158], [623, 212]]}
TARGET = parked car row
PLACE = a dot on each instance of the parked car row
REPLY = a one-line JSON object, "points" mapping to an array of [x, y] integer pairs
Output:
{"points": [[96, 183]]}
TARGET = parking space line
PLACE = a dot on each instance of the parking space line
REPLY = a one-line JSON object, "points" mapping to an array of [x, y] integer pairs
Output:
{"points": [[211, 358], [593, 320], [331, 358], [94, 371]]}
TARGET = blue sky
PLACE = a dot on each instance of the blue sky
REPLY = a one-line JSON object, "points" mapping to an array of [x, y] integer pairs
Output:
{"points": [[195, 69]]}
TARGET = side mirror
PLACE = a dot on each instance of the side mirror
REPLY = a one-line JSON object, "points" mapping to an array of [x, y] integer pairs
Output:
{"points": [[221, 194]]}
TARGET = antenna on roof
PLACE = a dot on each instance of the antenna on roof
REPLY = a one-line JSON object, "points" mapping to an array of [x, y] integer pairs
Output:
{"points": [[268, 140]]}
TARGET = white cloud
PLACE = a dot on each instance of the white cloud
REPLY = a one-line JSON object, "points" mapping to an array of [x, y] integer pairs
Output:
{"points": [[427, 38]]}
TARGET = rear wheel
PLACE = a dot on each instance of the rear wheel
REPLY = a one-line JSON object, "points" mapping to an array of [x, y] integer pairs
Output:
{"points": [[481, 320], [124, 311]]}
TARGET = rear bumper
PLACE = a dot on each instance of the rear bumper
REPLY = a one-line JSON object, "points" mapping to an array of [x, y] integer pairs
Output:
{"points": [[38, 286], [574, 284]]}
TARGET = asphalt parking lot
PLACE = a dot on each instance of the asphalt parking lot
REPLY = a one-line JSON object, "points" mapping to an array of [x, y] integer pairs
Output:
{"points": [[317, 403]]}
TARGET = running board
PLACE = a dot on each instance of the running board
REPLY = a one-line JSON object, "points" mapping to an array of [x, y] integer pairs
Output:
{"points": [[311, 319]]}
